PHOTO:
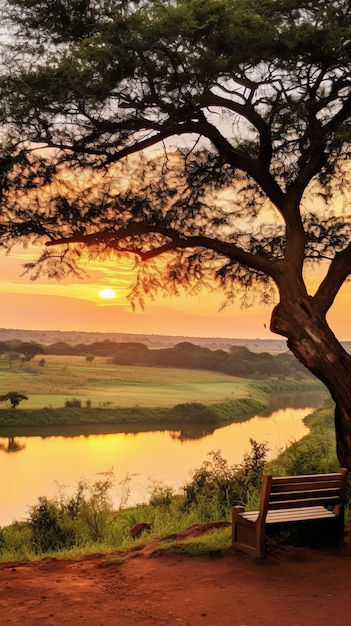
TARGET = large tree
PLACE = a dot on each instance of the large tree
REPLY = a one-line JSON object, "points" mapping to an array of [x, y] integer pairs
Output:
{"points": [[240, 112]]}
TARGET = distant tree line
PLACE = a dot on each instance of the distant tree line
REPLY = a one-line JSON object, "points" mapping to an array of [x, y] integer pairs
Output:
{"points": [[237, 361], [24, 350]]}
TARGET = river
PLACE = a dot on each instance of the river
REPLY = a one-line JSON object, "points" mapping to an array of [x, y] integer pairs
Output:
{"points": [[41, 464]]}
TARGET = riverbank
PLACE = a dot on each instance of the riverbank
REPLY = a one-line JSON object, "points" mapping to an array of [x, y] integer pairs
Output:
{"points": [[315, 452], [256, 398], [151, 469]]}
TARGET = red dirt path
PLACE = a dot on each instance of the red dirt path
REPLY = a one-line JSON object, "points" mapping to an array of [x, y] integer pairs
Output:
{"points": [[291, 587]]}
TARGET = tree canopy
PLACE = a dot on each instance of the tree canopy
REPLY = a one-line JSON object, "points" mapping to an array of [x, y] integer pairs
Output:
{"points": [[213, 134], [14, 397], [259, 92]]}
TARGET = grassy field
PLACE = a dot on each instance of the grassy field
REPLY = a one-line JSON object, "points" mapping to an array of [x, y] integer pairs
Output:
{"points": [[62, 378], [112, 394]]}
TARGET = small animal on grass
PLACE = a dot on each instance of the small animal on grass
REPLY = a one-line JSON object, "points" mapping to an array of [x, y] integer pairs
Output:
{"points": [[139, 528]]}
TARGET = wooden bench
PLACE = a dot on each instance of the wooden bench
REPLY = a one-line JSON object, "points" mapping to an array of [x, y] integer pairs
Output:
{"points": [[291, 499]]}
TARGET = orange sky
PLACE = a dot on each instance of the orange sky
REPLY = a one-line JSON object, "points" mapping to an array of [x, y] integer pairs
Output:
{"points": [[75, 305]]}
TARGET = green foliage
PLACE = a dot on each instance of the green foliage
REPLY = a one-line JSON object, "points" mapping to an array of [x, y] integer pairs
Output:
{"points": [[67, 521], [315, 453], [74, 403], [217, 482], [52, 526], [193, 412], [227, 412], [210, 545], [161, 495], [95, 508], [16, 542]]}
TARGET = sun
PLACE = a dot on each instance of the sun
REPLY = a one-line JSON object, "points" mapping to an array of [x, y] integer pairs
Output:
{"points": [[107, 294]]}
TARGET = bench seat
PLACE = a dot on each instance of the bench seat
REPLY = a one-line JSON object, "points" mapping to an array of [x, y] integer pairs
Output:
{"points": [[291, 515]]}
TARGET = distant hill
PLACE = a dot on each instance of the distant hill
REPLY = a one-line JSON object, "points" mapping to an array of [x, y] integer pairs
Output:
{"points": [[49, 337]]}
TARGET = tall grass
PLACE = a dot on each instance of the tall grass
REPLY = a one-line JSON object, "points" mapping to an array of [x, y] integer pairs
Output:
{"points": [[315, 453]]}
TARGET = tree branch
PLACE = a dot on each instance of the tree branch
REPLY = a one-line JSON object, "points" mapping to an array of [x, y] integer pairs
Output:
{"points": [[247, 112], [113, 238], [339, 270]]}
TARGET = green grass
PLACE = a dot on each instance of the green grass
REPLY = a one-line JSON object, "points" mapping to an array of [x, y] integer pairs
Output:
{"points": [[212, 544], [112, 394], [315, 453], [126, 386]]}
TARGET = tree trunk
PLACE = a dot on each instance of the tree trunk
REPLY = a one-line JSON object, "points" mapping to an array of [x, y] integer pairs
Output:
{"points": [[314, 344]]}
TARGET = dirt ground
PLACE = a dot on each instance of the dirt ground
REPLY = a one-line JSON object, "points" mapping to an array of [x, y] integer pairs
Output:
{"points": [[290, 587]]}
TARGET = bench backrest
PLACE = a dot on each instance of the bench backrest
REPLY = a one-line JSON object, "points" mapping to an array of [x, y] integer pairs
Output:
{"points": [[289, 492]]}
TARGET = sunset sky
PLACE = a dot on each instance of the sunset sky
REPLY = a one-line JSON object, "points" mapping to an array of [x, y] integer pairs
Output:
{"points": [[76, 305]]}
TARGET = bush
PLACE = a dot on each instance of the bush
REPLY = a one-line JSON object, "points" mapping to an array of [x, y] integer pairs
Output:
{"points": [[193, 411], [95, 507], [65, 522], [15, 541], [51, 526], [74, 403], [161, 495], [216, 483]]}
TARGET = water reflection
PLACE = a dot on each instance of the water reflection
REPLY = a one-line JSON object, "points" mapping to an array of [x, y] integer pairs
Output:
{"points": [[295, 401], [181, 432], [47, 463], [12, 445], [191, 432]]}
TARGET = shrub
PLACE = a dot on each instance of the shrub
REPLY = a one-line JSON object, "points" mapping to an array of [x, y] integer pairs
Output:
{"points": [[51, 526], [161, 495], [216, 483], [74, 403], [95, 507], [65, 522], [193, 411], [15, 541]]}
